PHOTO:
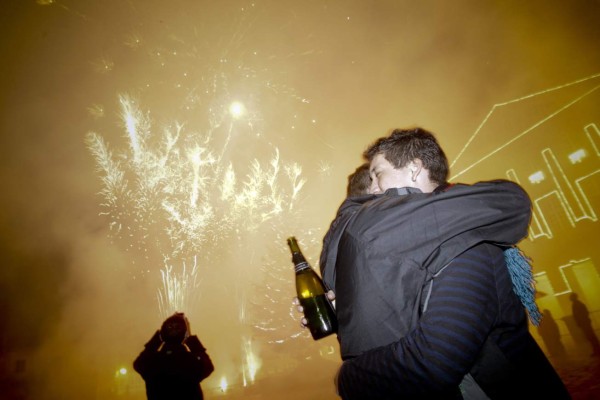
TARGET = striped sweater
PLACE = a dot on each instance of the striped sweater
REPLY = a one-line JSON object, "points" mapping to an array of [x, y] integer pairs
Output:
{"points": [[471, 303]]}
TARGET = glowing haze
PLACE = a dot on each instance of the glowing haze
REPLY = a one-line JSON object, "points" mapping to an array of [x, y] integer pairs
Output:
{"points": [[155, 156], [179, 195]]}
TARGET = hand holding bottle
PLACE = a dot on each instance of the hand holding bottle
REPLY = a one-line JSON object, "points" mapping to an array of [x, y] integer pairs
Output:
{"points": [[317, 307], [296, 302]]}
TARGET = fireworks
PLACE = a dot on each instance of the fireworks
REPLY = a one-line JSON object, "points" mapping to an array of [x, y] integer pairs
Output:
{"points": [[195, 187], [179, 289], [181, 194]]}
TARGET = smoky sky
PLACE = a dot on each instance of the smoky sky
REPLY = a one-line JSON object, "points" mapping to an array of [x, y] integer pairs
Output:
{"points": [[320, 81]]}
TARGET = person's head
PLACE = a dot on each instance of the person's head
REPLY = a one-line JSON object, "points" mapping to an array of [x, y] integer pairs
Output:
{"points": [[175, 329], [573, 296], [407, 158], [359, 181]]}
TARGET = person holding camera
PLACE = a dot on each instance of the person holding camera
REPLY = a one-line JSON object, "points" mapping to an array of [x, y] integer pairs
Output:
{"points": [[173, 362]]}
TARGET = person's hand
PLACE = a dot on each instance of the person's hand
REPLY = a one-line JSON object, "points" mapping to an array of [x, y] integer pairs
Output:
{"points": [[194, 344], [296, 302], [300, 309], [331, 296], [154, 342]]}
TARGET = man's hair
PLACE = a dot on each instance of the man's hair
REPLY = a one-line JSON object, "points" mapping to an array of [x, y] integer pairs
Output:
{"points": [[359, 181], [405, 145]]}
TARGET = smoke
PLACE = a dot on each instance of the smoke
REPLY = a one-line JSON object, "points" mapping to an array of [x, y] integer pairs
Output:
{"points": [[319, 81]]}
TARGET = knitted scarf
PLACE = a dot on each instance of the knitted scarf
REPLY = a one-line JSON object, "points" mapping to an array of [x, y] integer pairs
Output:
{"points": [[523, 282]]}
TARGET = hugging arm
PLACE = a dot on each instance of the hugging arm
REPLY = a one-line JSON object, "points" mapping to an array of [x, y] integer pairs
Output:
{"points": [[433, 358]]}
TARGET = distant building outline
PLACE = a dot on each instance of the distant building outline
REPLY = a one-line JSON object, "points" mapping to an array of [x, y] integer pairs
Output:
{"points": [[527, 130]]}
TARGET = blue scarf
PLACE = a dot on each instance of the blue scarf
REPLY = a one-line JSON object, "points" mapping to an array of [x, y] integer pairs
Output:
{"points": [[521, 275]]}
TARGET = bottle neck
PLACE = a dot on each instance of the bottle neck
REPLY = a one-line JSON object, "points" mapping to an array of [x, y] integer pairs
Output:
{"points": [[298, 259]]}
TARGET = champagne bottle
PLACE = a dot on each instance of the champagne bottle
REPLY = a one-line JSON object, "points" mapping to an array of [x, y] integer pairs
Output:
{"points": [[318, 310]]}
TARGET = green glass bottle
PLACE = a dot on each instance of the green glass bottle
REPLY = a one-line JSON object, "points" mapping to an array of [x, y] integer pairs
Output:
{"points": [[318, 310]]}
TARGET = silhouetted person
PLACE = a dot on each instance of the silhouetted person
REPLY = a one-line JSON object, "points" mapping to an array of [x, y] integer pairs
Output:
{"points": [[550, 334], [173, 363], [581, 316]]}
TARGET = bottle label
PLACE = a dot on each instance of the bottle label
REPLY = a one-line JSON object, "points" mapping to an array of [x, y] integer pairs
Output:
{"points": [[301, 266]]}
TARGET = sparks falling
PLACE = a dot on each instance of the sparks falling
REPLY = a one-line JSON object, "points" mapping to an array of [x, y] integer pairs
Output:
{"points": [[194, 186], [184, 196]]}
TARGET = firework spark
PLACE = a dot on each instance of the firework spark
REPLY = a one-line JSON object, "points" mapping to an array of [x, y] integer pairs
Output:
{"points": [[181, 197], [208, 188]]}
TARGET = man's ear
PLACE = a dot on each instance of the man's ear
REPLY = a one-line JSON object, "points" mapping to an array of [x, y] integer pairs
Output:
{"points": [[415, 167]]}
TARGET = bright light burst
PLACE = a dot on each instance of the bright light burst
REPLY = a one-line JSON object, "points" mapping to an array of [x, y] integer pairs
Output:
{"points": [[236, 109], [205, 187], [179, 290], [183, 198], [223, 384], [252, 362]]}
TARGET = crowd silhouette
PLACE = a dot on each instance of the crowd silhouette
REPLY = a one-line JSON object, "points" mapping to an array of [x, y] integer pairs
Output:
{"points": [[579, 328], [550, 333], [581, 316]]}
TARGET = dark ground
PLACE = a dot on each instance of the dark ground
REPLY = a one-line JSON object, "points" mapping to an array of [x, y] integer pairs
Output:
{"points": [[581, 374], [579, 370]]}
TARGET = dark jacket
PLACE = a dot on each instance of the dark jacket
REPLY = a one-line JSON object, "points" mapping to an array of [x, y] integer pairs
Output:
{"points": [[331, 239], [474, 323], [173, 371], [393, 243], [450, 242]]}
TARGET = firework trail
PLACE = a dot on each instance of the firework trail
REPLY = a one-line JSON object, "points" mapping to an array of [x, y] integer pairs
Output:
{"points": [[208, 188], [182, 197]]}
